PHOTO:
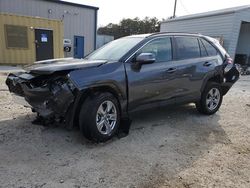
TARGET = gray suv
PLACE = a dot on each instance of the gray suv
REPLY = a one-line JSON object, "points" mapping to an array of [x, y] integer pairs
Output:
{"points": [[129, 74]]}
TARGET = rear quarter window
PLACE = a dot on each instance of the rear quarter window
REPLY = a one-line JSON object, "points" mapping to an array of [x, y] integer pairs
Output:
{"points": [[211, 51], [187, 48]]}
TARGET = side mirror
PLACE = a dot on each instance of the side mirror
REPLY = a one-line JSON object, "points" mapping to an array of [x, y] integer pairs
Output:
{"points": [[145, 58]]}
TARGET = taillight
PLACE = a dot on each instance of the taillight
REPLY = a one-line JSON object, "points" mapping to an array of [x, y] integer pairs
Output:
{"points": [[228, 64], [229, 60]]}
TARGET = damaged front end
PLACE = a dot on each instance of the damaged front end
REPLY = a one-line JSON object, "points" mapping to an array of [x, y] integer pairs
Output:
{"points": [[49, 96]]}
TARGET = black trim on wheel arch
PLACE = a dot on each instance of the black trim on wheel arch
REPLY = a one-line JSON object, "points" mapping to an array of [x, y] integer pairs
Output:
{"points": [[202, 106]]}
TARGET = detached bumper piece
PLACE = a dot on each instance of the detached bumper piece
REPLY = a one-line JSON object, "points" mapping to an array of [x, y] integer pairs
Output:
{"points": [[50, 99]]}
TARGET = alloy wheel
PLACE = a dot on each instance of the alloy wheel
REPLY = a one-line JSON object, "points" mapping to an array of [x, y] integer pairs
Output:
{"points": [[213, 99], [106, 117]]}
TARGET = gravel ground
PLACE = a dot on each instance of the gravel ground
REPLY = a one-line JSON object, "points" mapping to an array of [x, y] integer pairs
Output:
{"points": [[166, 147]]}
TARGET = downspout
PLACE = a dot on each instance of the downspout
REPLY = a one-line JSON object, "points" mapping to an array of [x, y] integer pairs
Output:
{"points": [[95, 29]]}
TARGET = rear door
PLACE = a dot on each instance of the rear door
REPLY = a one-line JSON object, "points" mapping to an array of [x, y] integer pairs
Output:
{"points": [[211, 59], [191, 66]]}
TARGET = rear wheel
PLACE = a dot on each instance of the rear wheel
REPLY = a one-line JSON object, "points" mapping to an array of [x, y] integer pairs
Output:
{"points": [[211, 99], [99, 117]]}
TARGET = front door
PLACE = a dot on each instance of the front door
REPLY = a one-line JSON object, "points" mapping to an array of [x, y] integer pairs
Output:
{"points": [[152, 84], [44, 44], [78, 47]]}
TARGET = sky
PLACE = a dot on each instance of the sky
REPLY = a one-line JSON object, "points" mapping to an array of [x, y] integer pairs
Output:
{"points": [[112, 11]]}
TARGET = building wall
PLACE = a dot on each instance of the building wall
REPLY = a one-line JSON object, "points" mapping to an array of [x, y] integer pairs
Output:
{"points": [[27, 56], [77, 20], [103, 39], [214, 26], [244, 40], [226, 25]]}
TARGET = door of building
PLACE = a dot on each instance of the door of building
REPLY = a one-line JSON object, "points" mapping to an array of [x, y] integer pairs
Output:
{"points": [[44, 44], [78, 47]]}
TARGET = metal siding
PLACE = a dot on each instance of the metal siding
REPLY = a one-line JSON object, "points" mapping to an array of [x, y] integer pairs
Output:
{"points": [[233, 38], [73, 4], [226, 25], [82, 24], [27, 56], [244, 40], [220, 25], [103, 39], [212, 13], [239, 18], [244, 15]]}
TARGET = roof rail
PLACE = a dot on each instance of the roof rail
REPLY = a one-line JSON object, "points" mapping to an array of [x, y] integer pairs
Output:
{"points": [[159, 33]]}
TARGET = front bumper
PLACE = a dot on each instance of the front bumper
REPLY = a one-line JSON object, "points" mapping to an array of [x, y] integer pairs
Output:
{"points": [[20, 100], [50, 100]]}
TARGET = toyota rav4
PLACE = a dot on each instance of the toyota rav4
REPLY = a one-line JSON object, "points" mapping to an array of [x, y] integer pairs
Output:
{"points": [[129, 74]]}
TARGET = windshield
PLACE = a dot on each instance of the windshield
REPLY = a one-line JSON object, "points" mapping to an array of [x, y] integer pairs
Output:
{"points": [[115, 50]]}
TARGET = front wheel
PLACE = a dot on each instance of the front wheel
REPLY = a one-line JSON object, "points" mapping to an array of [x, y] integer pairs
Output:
{"points": [[99, 117], [211, 99]]}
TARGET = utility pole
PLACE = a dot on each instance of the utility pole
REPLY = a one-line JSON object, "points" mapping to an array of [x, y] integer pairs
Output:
{"points": [[175, 3]]}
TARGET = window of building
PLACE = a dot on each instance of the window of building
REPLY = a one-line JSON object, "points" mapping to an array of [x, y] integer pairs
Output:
{"points": [[16, 36]]}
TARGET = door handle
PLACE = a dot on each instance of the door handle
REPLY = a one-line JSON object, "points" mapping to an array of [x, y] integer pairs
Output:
{"points": [[171, 70], [207, 64]]}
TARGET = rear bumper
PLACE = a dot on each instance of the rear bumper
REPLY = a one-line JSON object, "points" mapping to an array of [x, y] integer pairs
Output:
{"points": [[230, 78], [52, 100]]}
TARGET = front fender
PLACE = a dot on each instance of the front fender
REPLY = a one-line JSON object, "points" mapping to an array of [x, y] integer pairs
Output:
{"points": [[110, 75], [108, 78]]}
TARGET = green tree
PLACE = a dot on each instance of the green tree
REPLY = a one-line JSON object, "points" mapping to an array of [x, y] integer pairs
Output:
{"points": [[131, 27]]}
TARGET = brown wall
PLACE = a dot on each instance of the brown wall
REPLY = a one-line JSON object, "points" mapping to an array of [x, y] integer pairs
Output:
{"points": [[28, 56]]}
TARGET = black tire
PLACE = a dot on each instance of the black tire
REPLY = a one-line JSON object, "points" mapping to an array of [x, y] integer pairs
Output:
{"points": [[88, 114], [202, 105]]}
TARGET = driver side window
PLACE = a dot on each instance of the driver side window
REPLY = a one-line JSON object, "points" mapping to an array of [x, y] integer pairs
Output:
{"points": [[160, 47]]}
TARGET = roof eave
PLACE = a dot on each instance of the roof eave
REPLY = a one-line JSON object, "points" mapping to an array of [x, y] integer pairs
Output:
{"points": [[73, 4], [201, 15]]}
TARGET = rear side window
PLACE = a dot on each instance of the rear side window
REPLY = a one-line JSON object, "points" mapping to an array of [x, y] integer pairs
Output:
{"points": [[211, 51], [187, 47], [161, 47]]}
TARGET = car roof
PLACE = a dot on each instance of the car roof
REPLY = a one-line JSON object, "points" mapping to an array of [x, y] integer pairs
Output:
{"points": [[164, 34], [138, 36], [175, 34]]}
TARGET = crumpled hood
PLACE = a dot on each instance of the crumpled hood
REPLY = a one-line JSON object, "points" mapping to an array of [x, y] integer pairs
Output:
{"points": [[64, 64]]}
